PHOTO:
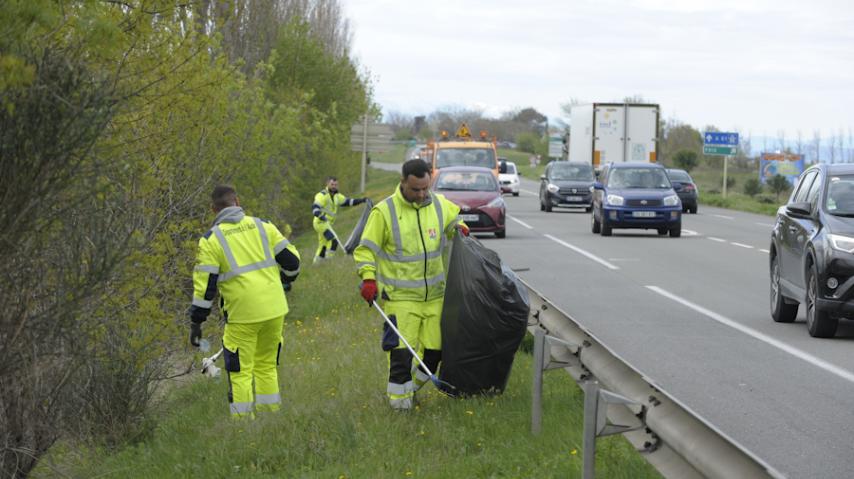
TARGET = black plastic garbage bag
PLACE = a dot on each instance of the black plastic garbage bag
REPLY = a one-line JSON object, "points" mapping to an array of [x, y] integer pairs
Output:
{"points": [[483, 321], [356, 235]]}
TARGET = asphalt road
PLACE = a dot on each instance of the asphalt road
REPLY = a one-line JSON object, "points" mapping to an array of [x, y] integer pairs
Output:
{"points": [[692, 314]]}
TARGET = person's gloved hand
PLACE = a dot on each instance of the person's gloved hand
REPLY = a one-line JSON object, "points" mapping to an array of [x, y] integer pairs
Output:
{"points": [[359, 201], [463, 229], [286, 286], [195, 334], [322, 217], [369, 291], [328, 235]]}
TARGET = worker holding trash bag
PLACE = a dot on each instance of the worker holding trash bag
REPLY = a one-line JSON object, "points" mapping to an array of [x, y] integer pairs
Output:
{"points": [[324, 209], [400, 260], [249, 262]]}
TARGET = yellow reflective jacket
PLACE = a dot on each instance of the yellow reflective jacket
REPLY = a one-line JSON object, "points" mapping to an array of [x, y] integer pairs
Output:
{"points": [[246, 259], [402, 246], [326, 204]]}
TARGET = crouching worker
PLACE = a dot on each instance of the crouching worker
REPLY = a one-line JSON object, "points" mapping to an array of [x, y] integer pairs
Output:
{"points": [[324, 209], [400, 259], [251, 264]]}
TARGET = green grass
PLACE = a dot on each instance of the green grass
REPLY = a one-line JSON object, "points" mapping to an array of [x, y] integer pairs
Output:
{"points": [[522, 163], [709, 179], [336, 422]]}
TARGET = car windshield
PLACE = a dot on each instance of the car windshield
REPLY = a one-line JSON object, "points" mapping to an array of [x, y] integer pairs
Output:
{"points": [[483, 157], [840, 195], [571, 172], [680, 176], [511, 168], [466, 181], [652, 178]]}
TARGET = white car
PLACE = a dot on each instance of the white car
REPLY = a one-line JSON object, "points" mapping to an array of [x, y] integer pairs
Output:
{"points": [[509, 180]]}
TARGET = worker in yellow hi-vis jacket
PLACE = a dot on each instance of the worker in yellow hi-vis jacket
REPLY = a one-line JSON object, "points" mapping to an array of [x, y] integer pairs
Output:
{"points": [[251, 264], [400, 259], [324, 209]]}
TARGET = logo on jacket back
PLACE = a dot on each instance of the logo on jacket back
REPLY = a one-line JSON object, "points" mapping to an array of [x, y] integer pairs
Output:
{"points": [[432, 233]]}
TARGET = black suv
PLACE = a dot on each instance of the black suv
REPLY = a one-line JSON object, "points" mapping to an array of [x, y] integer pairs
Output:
{"points": [[811, 260], [566, 184]]}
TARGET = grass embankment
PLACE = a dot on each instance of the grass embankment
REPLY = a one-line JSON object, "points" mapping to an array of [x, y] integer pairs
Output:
{"points": [[523, 165], [336, 422]]}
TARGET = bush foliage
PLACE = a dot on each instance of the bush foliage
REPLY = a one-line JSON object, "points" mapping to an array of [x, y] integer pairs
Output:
{"points": [[116, 120]]}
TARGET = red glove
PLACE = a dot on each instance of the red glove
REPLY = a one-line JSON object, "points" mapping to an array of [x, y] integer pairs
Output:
{"points": [[463, 229], [369, 290]]}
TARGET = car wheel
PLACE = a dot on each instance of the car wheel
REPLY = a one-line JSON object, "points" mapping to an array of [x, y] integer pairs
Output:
{"points": [[501, 234], [516, 194], [595, 227], [693, 210], [588, 209], [548, 205], [542, 206], [606, 230], [781, 311], [684, 209], [662, 231], [676, 231], [819, 323]]}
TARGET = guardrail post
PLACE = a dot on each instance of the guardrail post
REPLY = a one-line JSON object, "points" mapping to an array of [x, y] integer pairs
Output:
{"points": [[539, 359], [591, 412]]}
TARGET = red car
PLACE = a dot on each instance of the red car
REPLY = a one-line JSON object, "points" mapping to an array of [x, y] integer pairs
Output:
{"points": [[476, 191]]}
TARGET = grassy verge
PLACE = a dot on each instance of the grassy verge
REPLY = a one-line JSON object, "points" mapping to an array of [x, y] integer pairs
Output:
{"points": [[522, 164], [336, 422]]}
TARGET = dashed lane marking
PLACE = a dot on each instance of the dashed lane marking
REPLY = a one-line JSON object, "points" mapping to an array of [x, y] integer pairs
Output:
{"points": [[583, 252], [526, 225], [815, 361]]}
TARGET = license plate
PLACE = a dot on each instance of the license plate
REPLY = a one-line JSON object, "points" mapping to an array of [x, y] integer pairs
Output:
{"points": [[573, 198], [643, 214], [469, 217]]}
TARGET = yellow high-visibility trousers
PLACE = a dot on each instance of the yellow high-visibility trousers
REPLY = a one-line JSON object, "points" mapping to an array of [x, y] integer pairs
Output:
{"points": [[420, 324], [252, 352]]}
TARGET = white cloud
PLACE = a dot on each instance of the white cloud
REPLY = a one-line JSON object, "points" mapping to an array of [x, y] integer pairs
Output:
{"points": [[759, 65]]}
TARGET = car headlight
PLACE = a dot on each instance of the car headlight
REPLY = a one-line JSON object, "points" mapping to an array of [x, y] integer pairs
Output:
{"points": [[498, 202], [592, 188], [672, 200], [842, 243], [615, 200], [553, 188]]}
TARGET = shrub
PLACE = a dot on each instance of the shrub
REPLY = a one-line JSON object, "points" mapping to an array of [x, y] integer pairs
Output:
{"points": [[752, 187], [686, 159]]}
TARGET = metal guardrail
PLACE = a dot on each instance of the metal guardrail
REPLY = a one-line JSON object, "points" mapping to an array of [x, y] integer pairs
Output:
{"points": [[674, 439]]}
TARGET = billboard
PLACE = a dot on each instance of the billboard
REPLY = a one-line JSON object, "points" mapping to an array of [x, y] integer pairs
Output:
{"points": [[790, 165]]}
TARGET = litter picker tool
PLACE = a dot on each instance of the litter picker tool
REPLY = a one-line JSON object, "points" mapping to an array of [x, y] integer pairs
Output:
{"points": [[340, 244], [442, 386]]}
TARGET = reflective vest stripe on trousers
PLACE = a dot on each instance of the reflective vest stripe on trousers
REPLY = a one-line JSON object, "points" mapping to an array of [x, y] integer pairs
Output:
{"points": [[229, 256]]}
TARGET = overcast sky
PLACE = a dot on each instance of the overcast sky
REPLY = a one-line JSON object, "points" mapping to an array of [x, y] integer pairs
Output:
{"points": [[758, 66]]}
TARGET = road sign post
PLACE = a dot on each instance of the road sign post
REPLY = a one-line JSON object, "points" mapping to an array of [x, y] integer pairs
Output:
{"points": [[720, 143], [367, 138]]}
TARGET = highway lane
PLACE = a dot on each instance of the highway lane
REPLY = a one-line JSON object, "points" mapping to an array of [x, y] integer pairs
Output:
{"points": [[692, 314]]}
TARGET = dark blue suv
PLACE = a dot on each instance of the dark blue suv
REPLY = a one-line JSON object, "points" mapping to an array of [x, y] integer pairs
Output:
{"points": [[636, 195]]}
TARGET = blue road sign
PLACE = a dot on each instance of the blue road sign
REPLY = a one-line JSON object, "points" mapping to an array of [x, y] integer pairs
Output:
{"points": [[720, 138]]}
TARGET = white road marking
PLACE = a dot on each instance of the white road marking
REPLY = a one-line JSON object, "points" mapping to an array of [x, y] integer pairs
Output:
{"points": [[724, 217], [689, 233], [719, 240], [527, 192], [769, 225], [741, 245], [624, 259], [526, 225], [764, 251], [815, 361], [582, 252]]}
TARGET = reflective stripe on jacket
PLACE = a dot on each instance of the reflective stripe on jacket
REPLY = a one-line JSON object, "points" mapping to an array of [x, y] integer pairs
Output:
{"points": [[326, 203], [238, 257], [402, 246]]}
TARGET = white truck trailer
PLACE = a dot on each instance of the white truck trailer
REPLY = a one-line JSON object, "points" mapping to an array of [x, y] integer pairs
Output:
{"points": [[602, 133]]}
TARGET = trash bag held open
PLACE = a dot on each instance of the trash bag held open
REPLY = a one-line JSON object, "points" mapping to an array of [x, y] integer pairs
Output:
{"points": [[356, 235], [484, 319]]}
